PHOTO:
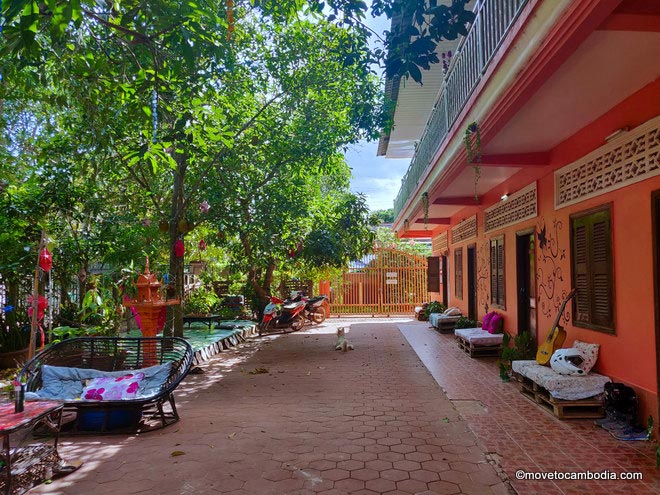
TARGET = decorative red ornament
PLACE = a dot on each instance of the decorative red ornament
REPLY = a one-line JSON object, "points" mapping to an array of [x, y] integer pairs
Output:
{"points": [[42, 304], [202, 245], [179, 248], [45, 260]]}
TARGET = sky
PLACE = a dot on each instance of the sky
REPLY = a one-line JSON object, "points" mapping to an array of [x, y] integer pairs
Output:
{"points": [[379, 178]]}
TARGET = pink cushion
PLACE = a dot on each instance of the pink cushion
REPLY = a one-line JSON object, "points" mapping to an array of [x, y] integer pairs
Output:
{"points": [[113, 388], [495, 323], [487, 318]]}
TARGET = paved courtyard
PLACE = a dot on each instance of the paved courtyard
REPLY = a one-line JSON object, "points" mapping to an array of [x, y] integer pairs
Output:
{"points": [[286, 414]]}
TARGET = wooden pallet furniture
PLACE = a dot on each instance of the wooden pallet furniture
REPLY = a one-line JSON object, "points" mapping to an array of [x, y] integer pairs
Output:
{"points": [[563, 409], [475, 349], [566, 397], [444, 324], [67, 365]]}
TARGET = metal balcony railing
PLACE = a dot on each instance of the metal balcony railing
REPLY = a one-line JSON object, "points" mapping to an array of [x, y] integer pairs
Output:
{"points": [[493, 20]]}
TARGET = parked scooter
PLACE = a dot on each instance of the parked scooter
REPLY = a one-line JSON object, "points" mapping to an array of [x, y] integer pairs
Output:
{"points": [[317, 309], [280, 314]]}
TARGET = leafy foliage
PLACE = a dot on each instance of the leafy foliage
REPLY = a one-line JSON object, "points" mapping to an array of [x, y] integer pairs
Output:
{"points": [[522, 348]]}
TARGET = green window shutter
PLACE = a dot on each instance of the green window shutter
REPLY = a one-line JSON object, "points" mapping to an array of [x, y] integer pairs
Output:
{"points": [[500, 272], [592, 264]]}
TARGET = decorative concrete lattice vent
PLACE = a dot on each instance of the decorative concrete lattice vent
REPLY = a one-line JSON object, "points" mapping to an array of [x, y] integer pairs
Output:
{"points": [[440, 243], [519, 206], [465, 230], [632, 157]]}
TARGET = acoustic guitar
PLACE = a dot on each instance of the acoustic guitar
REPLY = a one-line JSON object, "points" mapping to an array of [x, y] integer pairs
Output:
{"points": [[556, 336]]}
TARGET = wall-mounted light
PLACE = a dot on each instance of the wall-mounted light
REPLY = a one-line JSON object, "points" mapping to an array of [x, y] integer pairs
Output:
{"points": [[504, 197]]}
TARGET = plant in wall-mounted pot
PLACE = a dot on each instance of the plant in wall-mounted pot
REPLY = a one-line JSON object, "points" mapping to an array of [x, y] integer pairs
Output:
{"points": [[472, 141]]}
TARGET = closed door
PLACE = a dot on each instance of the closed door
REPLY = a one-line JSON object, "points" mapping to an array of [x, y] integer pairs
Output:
{"points": [[526, 283]]}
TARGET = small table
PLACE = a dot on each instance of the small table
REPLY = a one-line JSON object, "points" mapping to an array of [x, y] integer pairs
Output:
{"points": [[26, 466]]}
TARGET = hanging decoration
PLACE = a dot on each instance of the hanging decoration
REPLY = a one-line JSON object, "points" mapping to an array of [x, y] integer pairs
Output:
{"points": [[230, 19], [42, 304], [204, 207], [179, 248], [472, 140], [146, 222], [202, 245], [221, 235], [425, 204], [154, 113], [45, 260], [164, 226]]}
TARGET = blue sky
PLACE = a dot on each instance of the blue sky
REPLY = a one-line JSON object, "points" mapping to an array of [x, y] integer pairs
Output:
{"points": [[379, 178]]}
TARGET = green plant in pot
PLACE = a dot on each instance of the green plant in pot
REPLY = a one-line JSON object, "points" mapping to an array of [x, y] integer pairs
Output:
{"points": [[523, 348], [200, 302], [434, 307]]}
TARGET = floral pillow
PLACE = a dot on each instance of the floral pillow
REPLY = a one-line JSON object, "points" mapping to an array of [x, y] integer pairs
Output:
{"points": [[112, 388], [589, 352]]}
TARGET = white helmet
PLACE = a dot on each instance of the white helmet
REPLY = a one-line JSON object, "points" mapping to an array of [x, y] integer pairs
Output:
{"points": [[567, 362]]}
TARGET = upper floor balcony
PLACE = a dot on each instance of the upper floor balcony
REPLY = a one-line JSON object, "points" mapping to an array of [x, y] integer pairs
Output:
{"points": [[469, 63]]}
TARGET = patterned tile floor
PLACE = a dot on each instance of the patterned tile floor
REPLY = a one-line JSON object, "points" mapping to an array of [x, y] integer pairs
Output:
{"points": [[525, 437], [289, 415]]}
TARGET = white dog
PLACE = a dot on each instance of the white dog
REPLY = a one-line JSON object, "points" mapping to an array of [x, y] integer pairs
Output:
{"points": [[342, 343]]}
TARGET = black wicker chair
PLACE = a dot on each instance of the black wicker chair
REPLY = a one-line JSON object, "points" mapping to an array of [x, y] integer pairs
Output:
{"points": [[117, 354]]}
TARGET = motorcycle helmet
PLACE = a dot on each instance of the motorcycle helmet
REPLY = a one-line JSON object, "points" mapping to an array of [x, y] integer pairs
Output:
{"points": [[567, 362]]}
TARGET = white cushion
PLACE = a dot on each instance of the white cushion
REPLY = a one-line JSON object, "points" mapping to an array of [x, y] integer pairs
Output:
{"points": [[477, 336]]}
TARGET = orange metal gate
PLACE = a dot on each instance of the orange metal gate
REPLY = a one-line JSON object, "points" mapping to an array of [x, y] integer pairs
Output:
{"points": [[386, 282]]}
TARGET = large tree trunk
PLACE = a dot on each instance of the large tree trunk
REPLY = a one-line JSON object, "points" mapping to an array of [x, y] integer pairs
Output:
{"points": [[176, 263]]}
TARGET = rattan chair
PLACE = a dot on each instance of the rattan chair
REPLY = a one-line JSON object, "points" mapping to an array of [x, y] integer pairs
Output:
{"points": [[117, 354]]}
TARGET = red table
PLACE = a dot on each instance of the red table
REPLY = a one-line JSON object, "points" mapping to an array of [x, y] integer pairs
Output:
{"points": [[26, 466]]}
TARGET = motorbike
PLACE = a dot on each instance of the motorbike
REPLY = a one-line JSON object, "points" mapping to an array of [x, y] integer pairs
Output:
{"points": [[316, 309], [281, 314]]}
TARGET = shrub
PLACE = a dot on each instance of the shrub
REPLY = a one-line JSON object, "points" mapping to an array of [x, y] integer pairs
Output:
{"points": [[200, 302], [523, 348], [465, 322], [434, 307]]}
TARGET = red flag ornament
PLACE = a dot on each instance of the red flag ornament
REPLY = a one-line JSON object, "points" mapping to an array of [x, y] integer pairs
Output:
{"points": [[45, 260]]}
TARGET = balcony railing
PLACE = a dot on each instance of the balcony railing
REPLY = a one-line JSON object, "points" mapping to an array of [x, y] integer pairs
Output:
{"points": [[492, 23]]}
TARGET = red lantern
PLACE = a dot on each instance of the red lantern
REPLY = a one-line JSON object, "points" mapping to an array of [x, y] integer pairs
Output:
{"points": [[45, 260], [179, 248], [202, 245]]}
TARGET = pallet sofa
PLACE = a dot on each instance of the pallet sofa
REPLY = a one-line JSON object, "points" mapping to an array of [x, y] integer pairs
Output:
{"points": [[482, 341], [112, 384], [567, 397], [446, 321]]}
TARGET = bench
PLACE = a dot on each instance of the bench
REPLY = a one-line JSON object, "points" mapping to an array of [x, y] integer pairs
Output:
{"points": [[566, 397], [478, 342], [207, 320], [152, 366], [442, 322]]}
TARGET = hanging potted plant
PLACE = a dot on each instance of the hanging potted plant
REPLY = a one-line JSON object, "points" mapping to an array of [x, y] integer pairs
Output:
{"points": [[472, 141]]}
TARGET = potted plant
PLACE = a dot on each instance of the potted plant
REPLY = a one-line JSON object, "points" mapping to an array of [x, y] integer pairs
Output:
{"points": [[199, 302]]}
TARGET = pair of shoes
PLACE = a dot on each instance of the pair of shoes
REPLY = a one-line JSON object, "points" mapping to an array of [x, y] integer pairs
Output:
{"points": [[66, 468], [612, 424], [632, 433]]}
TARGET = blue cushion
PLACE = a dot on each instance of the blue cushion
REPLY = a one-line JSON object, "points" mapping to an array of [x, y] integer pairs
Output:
{"points": [[65, 383]]}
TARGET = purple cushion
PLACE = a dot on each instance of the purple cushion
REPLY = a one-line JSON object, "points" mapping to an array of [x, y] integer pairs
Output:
{"points": [[495, 323], [487, 318]]}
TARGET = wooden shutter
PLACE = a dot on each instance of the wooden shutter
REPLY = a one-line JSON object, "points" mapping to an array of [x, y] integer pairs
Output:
{"points": [[592, 270], [500, 272], [581, 271], [601, 272], [458, 273], [433, 274], [493, 271]]}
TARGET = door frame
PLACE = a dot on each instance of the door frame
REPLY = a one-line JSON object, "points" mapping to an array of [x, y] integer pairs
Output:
{"points": [[523, 278], [655, 232], [472, 281]]}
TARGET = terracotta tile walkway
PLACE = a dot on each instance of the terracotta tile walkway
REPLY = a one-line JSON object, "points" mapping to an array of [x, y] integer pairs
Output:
{"points": [[372, 420], [522, 435]]}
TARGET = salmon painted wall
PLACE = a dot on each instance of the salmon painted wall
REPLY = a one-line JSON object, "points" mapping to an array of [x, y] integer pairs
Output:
{"points": [[628, 356]]}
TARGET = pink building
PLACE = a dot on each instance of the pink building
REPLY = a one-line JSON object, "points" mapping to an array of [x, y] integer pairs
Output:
{"points": [[558, 186]]}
